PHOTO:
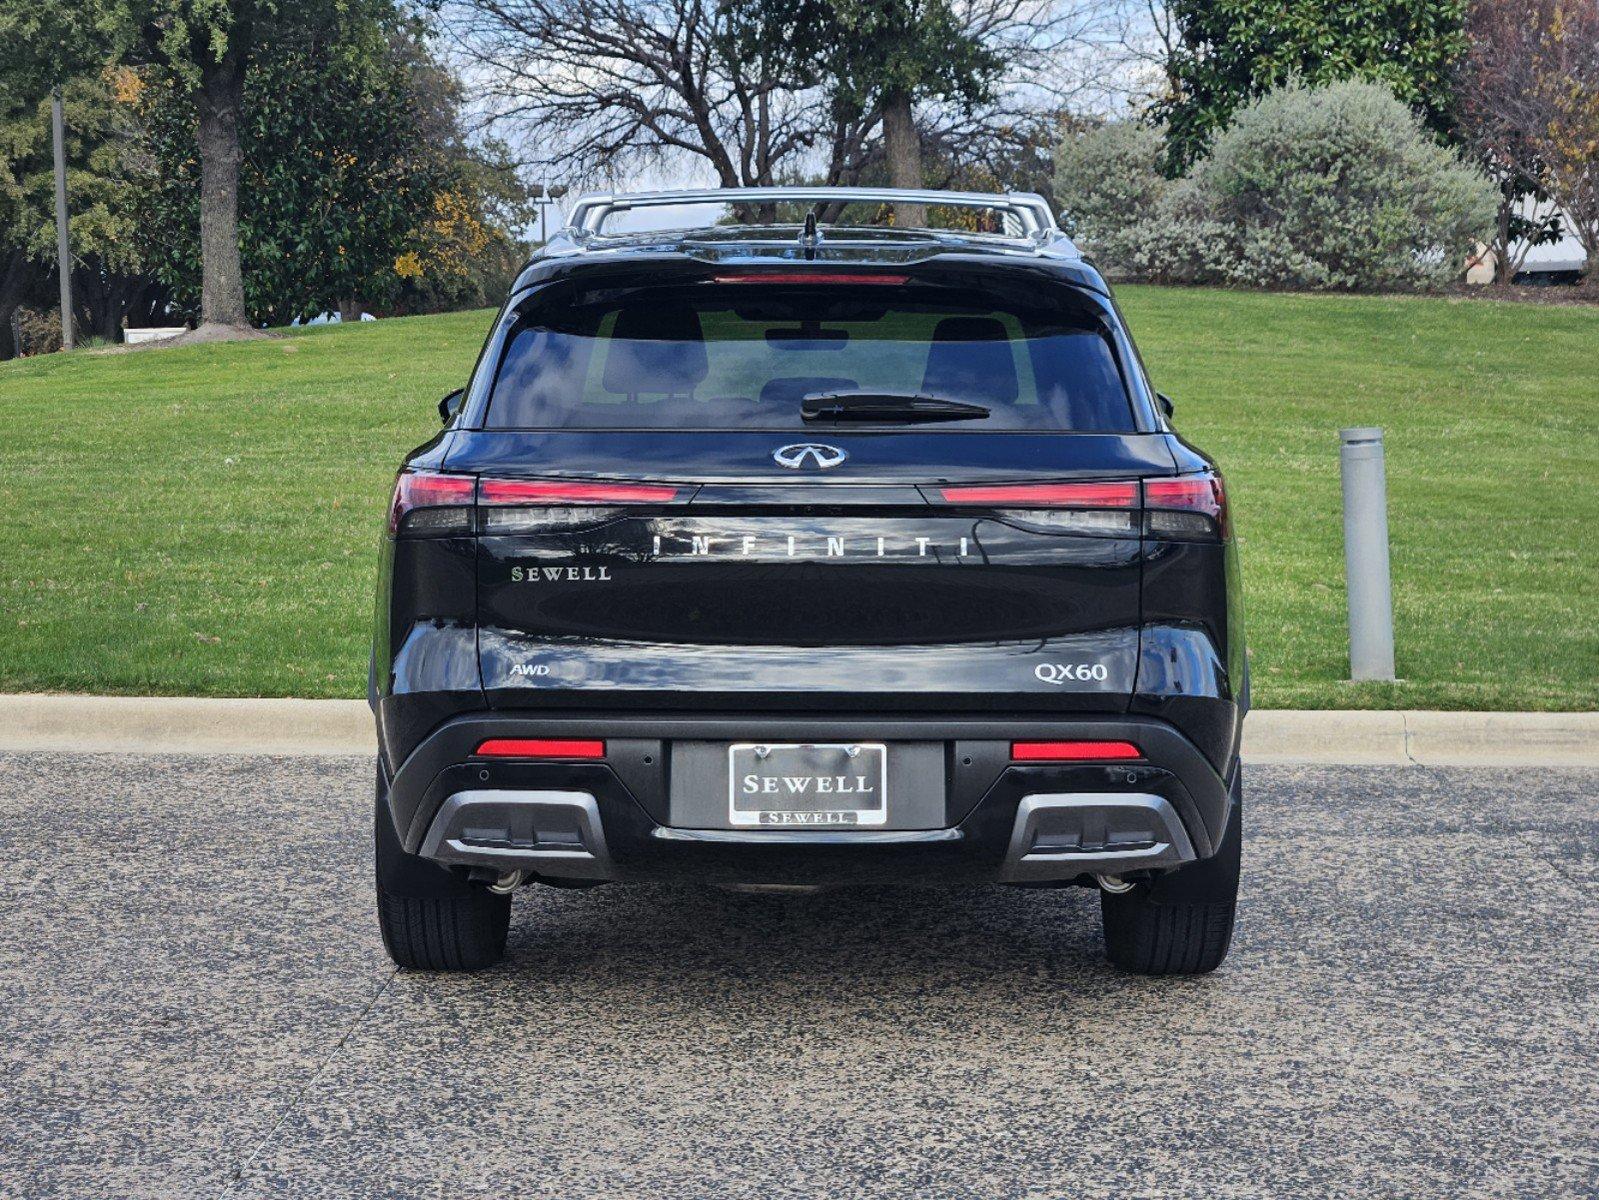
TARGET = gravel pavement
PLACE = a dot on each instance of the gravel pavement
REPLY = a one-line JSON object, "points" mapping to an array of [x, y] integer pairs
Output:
{"points": [[194, 1003]]}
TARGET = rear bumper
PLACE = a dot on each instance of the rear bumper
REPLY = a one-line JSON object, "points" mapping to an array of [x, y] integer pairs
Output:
{"points": [[1005, 822]]}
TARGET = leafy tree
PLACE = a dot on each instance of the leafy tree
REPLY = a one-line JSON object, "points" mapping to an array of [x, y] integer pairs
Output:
{"points": [[354, 181], [462, 251], [204, 47], [1232, 51], [877, 60], [110, 281], [19, 155]]}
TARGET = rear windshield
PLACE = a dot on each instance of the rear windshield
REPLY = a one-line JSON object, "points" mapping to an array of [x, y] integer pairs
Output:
{"points": [[745, 356]]}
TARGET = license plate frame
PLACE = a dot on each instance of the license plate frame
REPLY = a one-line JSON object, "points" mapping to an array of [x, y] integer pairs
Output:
{"points": [[865, 772]]}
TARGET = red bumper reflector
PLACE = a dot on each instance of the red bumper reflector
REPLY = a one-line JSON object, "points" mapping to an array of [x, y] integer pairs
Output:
{"points": [[541, 748], [1048, 495], [1072, 751]]}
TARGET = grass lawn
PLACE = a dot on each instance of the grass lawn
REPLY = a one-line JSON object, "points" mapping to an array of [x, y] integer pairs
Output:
{"points": [[203, 521]]}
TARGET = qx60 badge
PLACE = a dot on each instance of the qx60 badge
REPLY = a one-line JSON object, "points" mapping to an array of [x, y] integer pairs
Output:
{"points": [[809, 454]]}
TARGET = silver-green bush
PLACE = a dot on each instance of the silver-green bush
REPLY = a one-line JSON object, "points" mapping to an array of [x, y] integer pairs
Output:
{"points": [[1113, 196], [1340, 187], [1312, 187]]}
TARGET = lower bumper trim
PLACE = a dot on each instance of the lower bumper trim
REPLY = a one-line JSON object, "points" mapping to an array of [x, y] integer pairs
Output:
{"points": [[1055, 837], [553, 833], [1061, 836]]}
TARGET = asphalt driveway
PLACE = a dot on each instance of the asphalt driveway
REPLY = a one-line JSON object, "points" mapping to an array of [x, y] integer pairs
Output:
{"points": [[194, 1002]]}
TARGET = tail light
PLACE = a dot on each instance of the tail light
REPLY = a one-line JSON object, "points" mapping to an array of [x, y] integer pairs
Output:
{"points": [[534, 491], [441, 503], [551, 505], [559, 748], [1109, 509], [1187, 506], [1074, 751], [432, 502], [1116, 494]]}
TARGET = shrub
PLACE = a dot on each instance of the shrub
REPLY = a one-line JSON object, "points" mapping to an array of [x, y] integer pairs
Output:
{"points": [[1109, 185], [1125, 214], [1104, 173], [37, 331], [1328, 187], [1339, 187]]}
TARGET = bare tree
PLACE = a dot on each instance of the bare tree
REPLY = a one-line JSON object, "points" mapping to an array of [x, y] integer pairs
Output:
{"points": [[1139, 44], [760, 90], [616, 84], [1501, 114], [1567, 83]]}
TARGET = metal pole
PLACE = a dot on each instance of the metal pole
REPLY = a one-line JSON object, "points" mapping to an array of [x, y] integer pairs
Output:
{"points": [[1371, 607], [63, 246]]}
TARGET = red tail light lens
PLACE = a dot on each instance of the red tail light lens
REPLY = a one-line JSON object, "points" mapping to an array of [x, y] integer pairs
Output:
{"points": [[564, 748], [431, 501], [1117, 494], [537, 491], [436, 502], [1187, 506], [1073, 751]]}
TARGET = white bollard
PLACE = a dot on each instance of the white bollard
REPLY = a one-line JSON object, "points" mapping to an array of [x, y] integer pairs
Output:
{"points": [[1371, 606]]}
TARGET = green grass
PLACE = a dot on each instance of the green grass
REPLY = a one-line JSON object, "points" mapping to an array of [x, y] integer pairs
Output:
{"points": [[204, 521]]}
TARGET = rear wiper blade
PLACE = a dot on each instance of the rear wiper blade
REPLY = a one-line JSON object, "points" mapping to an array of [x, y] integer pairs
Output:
{"points": [[886, 406]]}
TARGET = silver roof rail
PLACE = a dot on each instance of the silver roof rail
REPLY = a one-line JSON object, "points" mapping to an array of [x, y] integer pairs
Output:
{"points": [[588, 212]]}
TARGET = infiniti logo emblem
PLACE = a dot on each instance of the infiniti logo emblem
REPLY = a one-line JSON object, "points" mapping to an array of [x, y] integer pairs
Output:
{"points": [[820, 456]]}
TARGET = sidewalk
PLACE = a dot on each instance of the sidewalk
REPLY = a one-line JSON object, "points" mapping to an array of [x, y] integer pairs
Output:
{"points": [[179, 725]]}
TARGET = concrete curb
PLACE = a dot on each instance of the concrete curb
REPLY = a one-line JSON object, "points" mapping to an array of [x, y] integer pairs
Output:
{"points": [[185, 725], [1422, 738], [300, 728]]}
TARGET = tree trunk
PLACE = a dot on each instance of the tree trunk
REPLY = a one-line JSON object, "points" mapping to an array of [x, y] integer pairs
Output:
{"points": [[350, 309], [1503, 272], [1588, 239], [221, 274], [902, 146]]}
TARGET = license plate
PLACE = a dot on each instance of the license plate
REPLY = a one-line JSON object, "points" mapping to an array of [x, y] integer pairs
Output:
{"points": [[805, 785]]}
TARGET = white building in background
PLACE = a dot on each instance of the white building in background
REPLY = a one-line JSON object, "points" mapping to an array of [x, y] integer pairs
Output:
{"points": [[1553, 259], [1562, 261]]}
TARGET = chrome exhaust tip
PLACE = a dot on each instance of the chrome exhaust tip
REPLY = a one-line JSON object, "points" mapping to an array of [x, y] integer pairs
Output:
{"points": [[507, 883]]}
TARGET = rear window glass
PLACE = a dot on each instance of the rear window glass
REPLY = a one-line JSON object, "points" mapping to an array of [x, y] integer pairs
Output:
{"points": [[745, 356]]}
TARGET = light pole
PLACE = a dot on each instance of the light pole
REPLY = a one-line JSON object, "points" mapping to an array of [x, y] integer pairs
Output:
{"points": [[63, 246]]}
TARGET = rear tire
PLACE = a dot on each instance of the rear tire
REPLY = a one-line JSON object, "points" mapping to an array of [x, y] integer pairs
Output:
{"points": [[431, 918], [1181, 923]]}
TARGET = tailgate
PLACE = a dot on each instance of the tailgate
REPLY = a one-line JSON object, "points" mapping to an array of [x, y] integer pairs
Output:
{"points": [[901, 583]]}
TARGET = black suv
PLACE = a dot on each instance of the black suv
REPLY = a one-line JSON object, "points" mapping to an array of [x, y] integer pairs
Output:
{"points": [[776, 554]]}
